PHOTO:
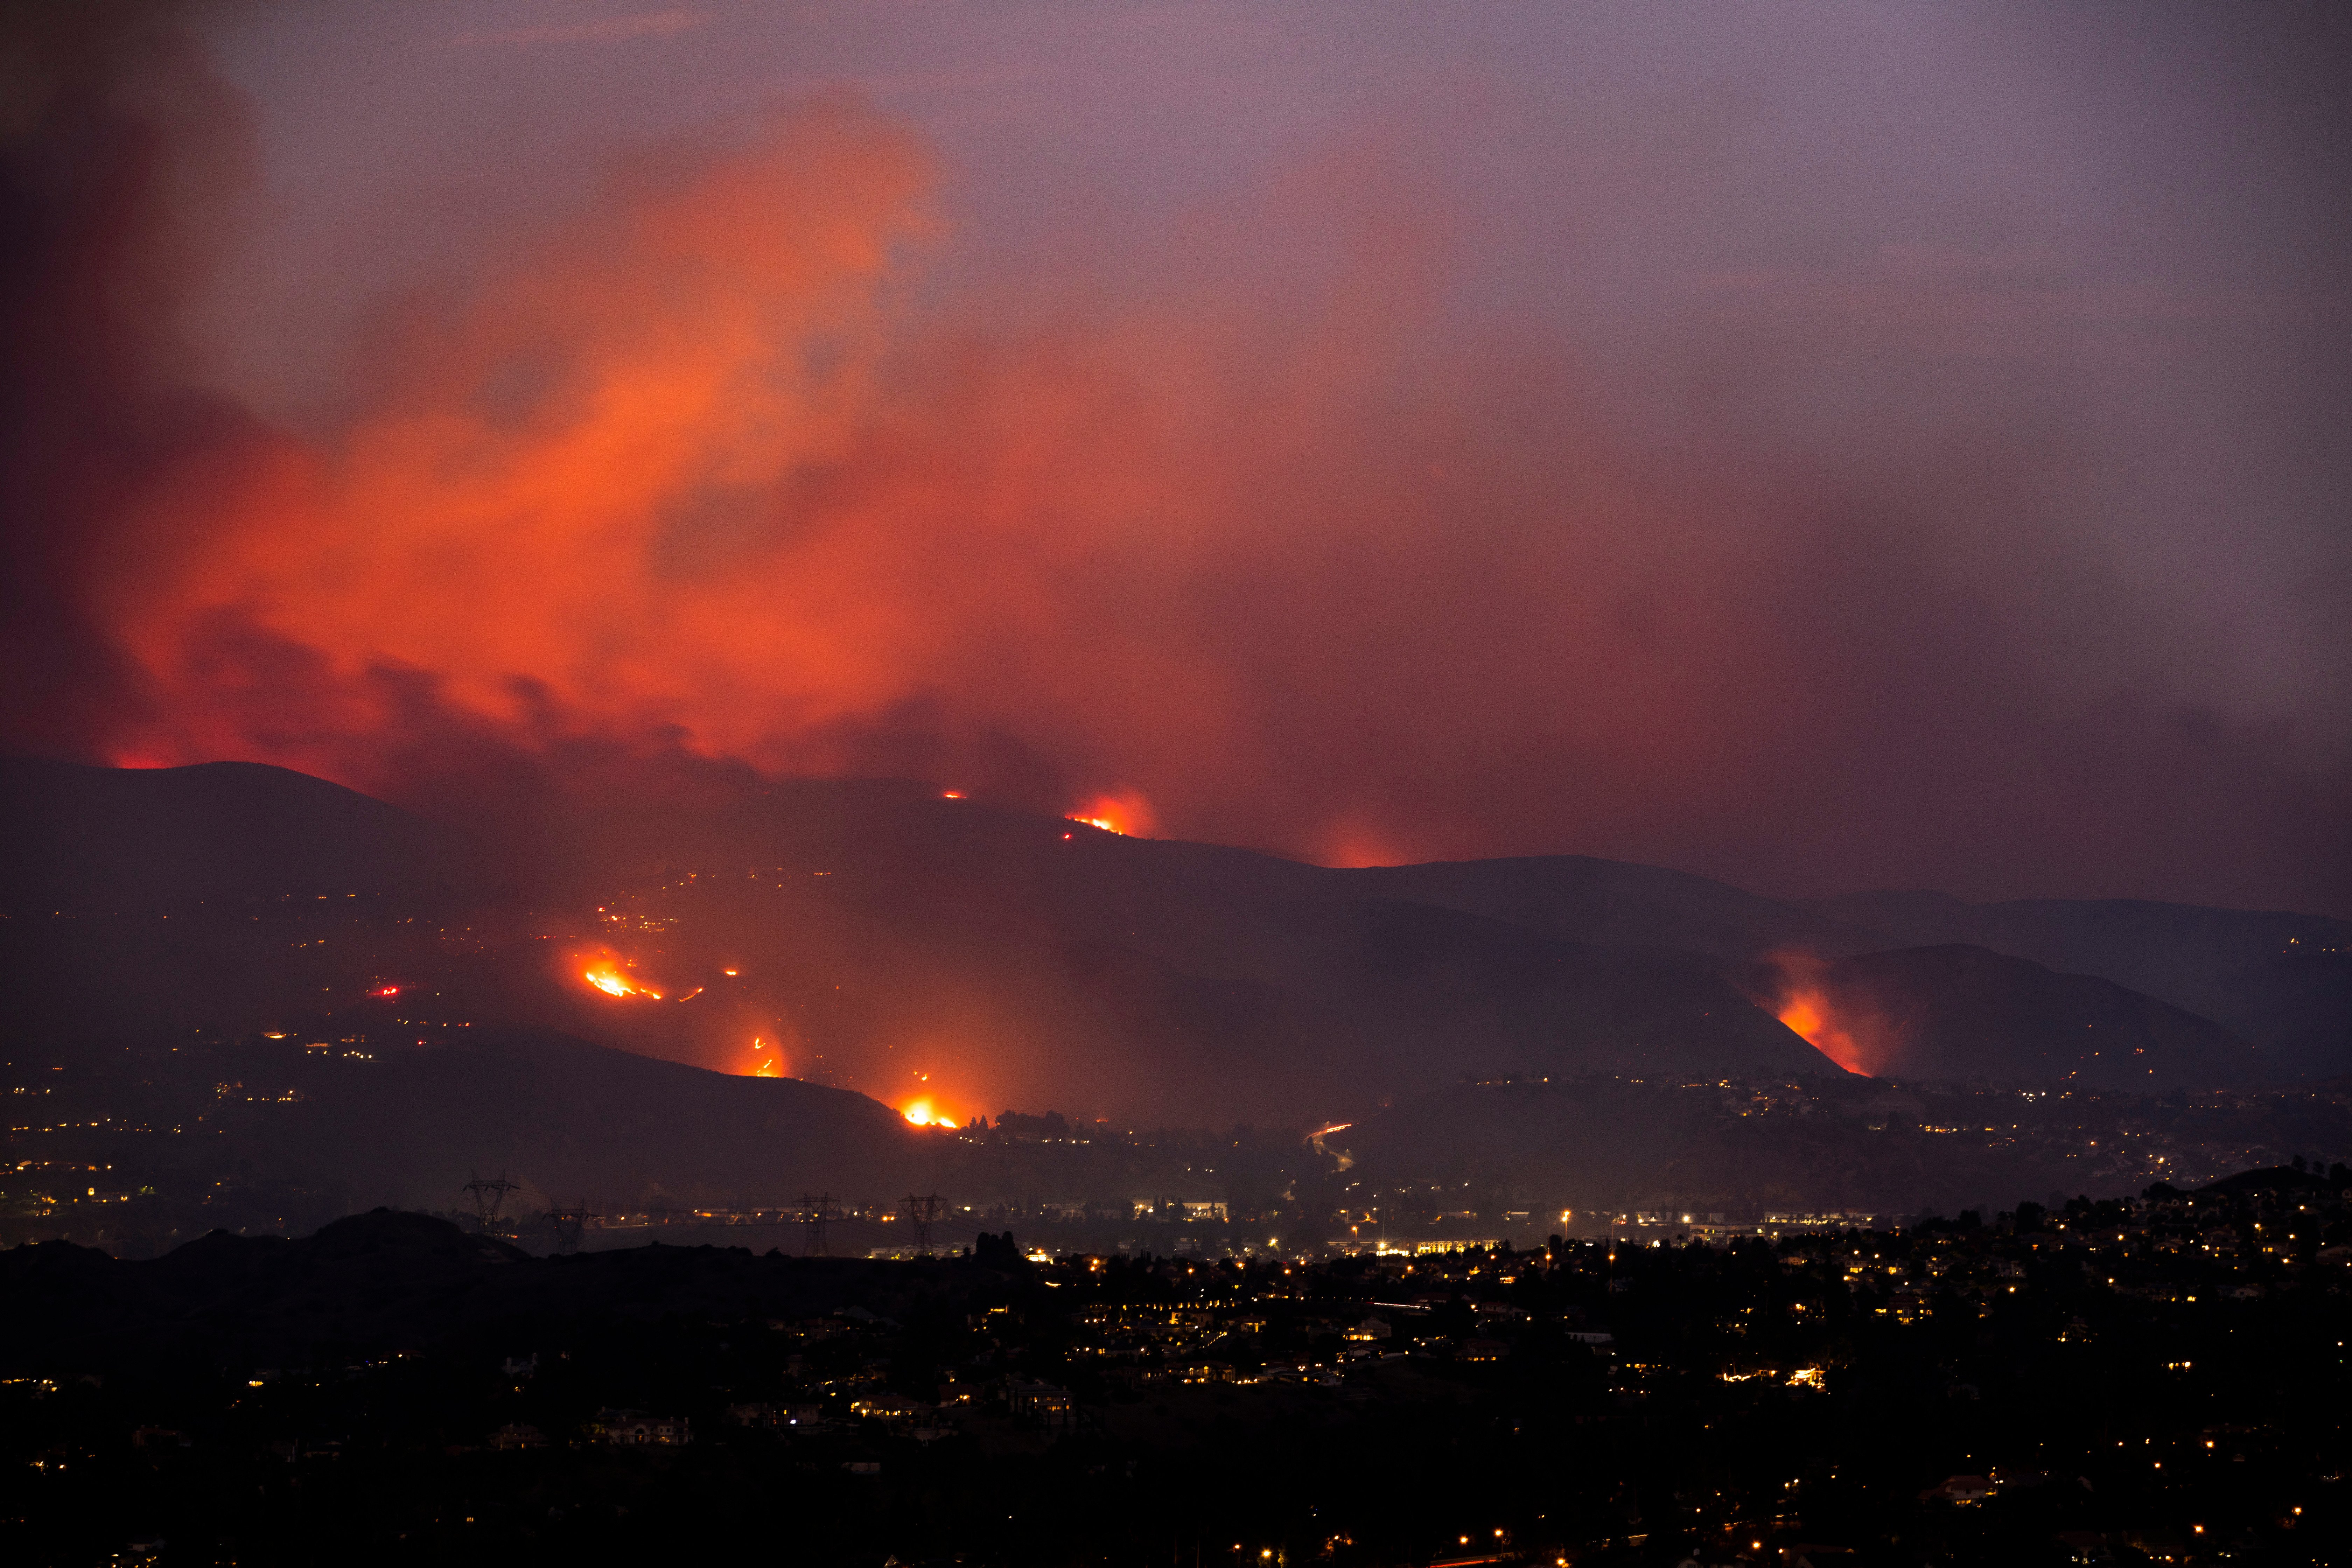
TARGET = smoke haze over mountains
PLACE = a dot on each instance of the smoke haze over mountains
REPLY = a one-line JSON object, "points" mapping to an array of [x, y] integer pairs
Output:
{"points": [[1823, 449]]}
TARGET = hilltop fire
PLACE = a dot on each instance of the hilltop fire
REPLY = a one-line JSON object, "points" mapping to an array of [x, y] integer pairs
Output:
{"points": [[1126, 814], [1805, 1006], [607, 978]]}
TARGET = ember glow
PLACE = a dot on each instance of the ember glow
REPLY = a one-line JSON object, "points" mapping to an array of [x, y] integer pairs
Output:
{"points": [[608, 978], [1125, 812], [1806, 1006], [1808, 1013], [765, 1060]]}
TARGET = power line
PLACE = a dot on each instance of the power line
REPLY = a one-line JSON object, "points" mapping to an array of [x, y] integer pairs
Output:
{"points": [[815, 1214], [922, 1211], [568, 1224], [488, 1192]]}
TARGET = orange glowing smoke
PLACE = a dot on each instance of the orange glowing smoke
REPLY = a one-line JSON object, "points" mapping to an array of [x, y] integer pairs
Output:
{"points": [[607, 978], [710, 468], [1127, 813], [1847, 1038], [1808, 1013], [760, 503]]}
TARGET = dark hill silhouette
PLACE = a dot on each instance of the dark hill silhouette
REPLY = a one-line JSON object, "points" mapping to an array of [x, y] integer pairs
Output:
{"points": [[983, 921], [1574, 898], [386, 1281], [887, 934], [578, 1119], [869, 916], [2270, 1179], [1611, 1146], [76, 837], [1962, 1012], [2283, 981]]}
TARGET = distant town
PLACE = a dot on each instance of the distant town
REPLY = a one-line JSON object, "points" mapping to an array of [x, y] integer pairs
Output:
{"points": [[140, 1147], [2159, 1378]]}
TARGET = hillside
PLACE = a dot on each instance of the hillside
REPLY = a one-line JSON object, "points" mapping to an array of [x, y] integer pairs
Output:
{"points": [[2280, 980], [86, 838], [382, 1283], [1962, 1012]]}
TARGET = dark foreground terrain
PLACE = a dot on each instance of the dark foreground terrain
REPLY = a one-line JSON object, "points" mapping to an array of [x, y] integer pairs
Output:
{"points": [[2154, 1380]]}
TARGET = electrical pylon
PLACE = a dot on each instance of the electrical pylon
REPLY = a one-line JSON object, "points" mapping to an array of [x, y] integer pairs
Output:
{"points": [[488, 1192], [922, 1211], [569, 1223], [815, 1214]]}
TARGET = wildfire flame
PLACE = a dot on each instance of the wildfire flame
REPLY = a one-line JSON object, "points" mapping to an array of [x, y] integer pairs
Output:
{"points": [[925, 1111], [608, 979], [1126, 814], [1805, 1006]]}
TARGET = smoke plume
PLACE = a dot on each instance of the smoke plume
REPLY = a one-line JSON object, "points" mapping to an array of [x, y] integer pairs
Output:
{"points": [[728, 472]]}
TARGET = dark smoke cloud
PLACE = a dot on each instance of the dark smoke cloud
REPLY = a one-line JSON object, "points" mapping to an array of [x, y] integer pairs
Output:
{"points": [[117, 135]]}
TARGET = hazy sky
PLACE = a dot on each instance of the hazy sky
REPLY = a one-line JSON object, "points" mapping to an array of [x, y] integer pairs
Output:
{"points": [[1817, 446]]}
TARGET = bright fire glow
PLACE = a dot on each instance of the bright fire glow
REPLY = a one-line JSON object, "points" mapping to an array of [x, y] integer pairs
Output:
{"points": [[927, 1112], [1126, 814], [1806, 1008], [385, 991], [765, 1060], [608, 979], [1807, 1012]]}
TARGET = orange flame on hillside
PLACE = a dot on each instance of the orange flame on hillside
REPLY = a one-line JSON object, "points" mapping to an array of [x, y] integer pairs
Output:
{"points": [[1126, 814], [608, 978], [924, 1109], [1805, 1006], [766, 1062]]}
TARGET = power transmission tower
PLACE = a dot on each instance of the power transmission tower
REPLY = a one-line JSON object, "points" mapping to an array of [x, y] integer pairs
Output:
{"points": [[568, 1224], [815, 1213], [922, 1211], [488, 1192]]}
